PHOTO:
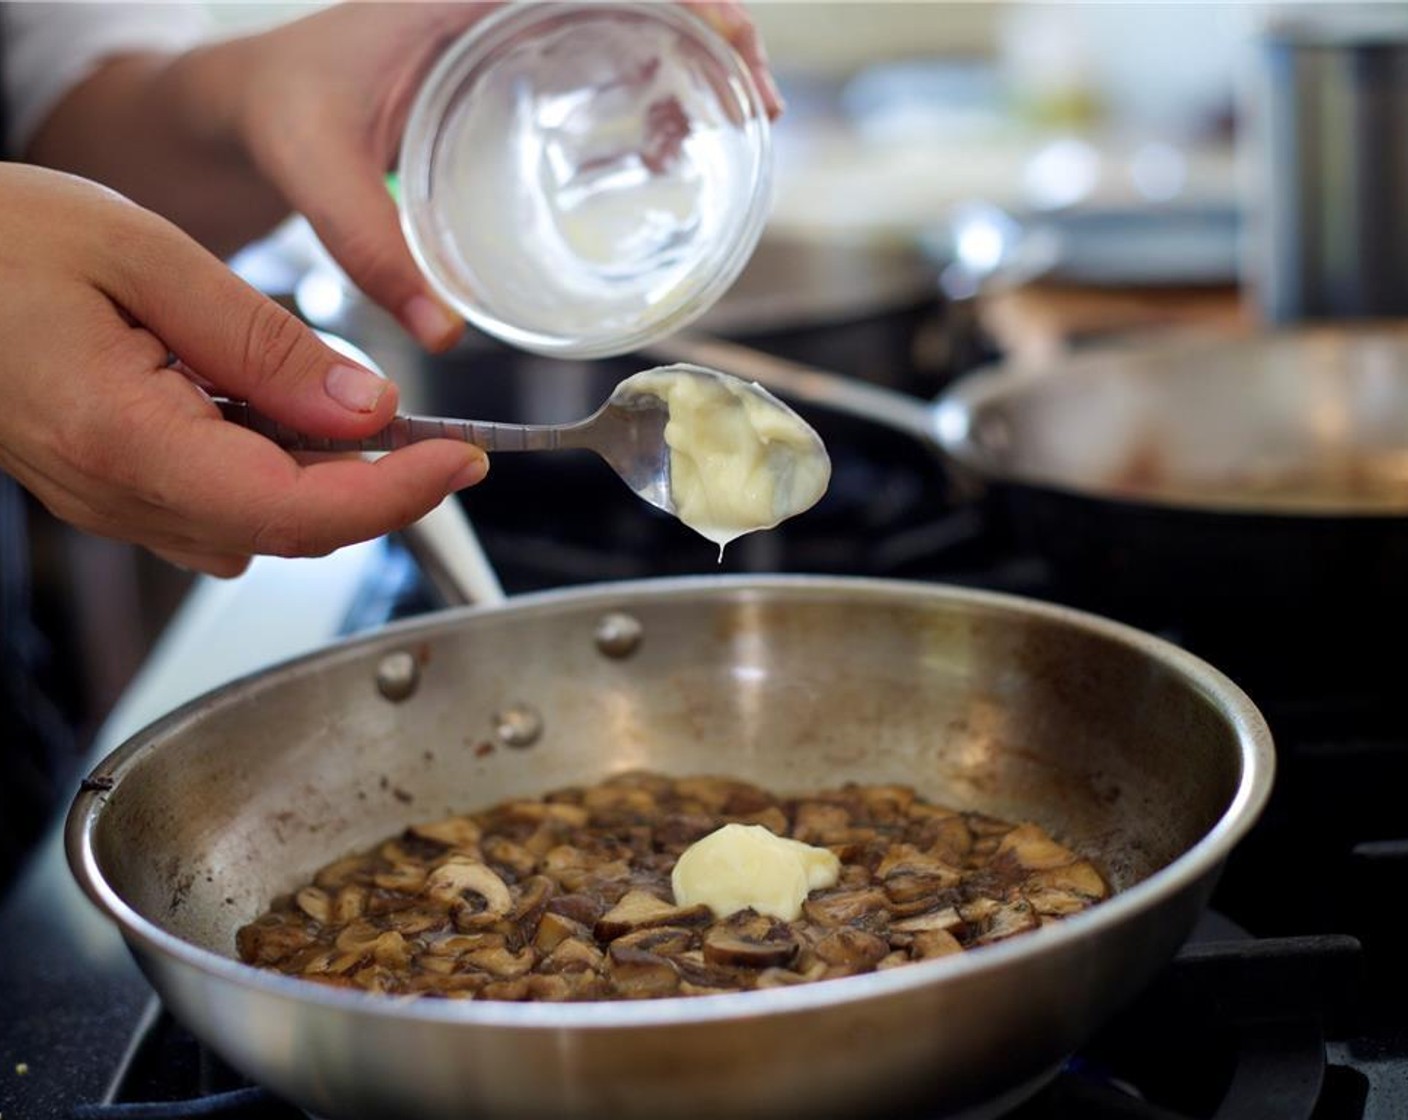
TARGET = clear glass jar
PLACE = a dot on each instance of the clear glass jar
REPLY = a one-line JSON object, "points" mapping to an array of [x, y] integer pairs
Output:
{"points": [[582, 179]]}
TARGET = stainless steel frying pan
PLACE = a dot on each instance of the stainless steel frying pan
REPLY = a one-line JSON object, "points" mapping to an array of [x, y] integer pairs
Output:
{"points": [[1123, 746]]}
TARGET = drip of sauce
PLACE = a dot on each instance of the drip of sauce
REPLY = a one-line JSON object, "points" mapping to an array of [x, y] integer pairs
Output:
{"points": [[744, 865], [740, 459]]}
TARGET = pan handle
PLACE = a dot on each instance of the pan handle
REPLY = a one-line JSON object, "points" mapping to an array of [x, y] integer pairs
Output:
{"points": [[802, 383], [448, 551]]}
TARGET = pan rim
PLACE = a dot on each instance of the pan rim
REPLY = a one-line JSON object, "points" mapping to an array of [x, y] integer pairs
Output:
{"points": [[1197, 863]]}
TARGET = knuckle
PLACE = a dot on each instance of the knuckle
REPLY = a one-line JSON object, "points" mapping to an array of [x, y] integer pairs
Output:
{"points": [[273, 339]]}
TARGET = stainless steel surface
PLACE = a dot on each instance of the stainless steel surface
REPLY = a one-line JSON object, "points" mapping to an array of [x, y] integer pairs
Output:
{"points": [[1122, 745], [1331, 111], [1299, 423], [628, 432]]}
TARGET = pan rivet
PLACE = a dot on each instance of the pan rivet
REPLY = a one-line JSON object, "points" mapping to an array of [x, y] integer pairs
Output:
{"points": [[618, 635], [518, 726], [397, 676]]}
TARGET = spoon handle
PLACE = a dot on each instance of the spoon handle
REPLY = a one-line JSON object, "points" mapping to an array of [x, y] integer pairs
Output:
{"points": [[405, 430]]}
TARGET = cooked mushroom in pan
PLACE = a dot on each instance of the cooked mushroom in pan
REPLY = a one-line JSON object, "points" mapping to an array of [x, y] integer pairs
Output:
{"points": [[569, 896]]}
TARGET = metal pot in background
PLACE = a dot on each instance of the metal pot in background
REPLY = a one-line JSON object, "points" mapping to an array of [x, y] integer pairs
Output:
{"points": [[1330, 114], [1234, 489]]}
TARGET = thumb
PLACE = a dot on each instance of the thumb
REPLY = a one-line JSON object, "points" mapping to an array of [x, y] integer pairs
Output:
{"points": [[241, 342]]}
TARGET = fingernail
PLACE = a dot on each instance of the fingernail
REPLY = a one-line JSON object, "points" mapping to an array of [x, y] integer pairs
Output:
{"points": [[431, 324], [354, 388], [473, 471]]}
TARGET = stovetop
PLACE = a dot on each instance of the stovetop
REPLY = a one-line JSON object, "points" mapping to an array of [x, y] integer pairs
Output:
{"points": [[1284, 1006]]}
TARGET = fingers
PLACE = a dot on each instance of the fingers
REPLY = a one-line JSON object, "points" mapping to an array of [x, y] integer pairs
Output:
{"points": [[253, 498], [244, 344], [221, 565], [355, 217], [732, 21]]}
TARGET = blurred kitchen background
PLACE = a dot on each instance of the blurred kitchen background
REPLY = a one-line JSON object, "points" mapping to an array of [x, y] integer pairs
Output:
{"points": [[956, 184]]}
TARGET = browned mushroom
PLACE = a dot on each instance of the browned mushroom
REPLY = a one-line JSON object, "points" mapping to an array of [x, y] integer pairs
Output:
{"points": [[751, 940], [838, 908], [553, 929], [452, 832], [475, 895], [641, 975], [1079, 878], [507, 858], [501, 963], [931, 943], [637, 910], [316, 903], [574, 955], [530, 899], [946, 918], [851, 947], [666, 941], [819, 823], [1007, 920]]}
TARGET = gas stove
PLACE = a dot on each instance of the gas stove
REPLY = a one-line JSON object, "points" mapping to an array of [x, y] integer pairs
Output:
{"points": [[1283, 1006]]}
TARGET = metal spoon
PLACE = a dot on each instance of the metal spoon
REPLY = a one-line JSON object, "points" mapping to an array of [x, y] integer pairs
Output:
{"points": [[628, 431]]}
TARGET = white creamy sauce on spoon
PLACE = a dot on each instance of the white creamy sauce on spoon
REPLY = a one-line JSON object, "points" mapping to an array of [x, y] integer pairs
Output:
{"points": [[740, 459]]}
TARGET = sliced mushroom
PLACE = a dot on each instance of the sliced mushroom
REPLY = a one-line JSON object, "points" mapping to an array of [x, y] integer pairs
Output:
{"points": [[1056, 903], [513, 990], [358, 937], [391, 951], [403, 878], [678, 831], [508, 858], [639, 910], [666, 941], [1031, 848], [853, 948], [838, 908], [340, 873], [348, 904], [1008, 920], [549, 989], [579, 907], [947, 837], [1079, 878], [375, 978], [574, 955], [553, 929], [640, 975], [458, 944], [892, 960], [816, 822], [618, 803], [530, 899], [946, 919], [539, 812], [886, 804], [772, 818], [269, 942], [415, 920], [452, 832], [475, 895], [751, 940], [931, 943], [316, 903], [502, 963]]}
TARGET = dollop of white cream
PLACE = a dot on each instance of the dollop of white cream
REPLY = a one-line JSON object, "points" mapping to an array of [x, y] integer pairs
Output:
{"points": [[743, 865], [740, 459]]}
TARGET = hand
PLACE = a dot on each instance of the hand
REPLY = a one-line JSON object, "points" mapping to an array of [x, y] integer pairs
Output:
{"points": [[98, 294], [321, 106]]}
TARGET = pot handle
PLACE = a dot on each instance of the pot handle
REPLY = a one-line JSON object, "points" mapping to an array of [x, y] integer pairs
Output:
{"points": [[446, 547]]}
